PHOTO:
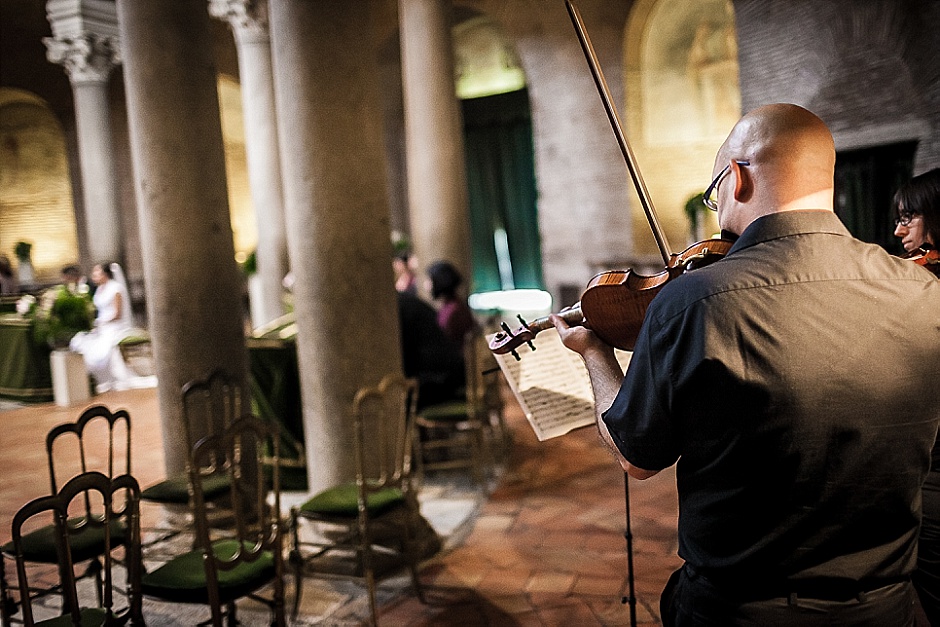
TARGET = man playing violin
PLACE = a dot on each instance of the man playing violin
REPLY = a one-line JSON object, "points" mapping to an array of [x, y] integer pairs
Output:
{"points": [[793, 385]]}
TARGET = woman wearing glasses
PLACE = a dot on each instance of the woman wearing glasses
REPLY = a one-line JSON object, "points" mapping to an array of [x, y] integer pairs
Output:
{"points": [[917, 204]]}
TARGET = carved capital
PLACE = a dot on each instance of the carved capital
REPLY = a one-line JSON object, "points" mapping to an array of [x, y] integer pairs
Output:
{"points": [[88, 58], [247, 18]]}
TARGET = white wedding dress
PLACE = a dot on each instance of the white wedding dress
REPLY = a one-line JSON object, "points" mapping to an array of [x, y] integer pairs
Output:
{"points": [[99, 347]]}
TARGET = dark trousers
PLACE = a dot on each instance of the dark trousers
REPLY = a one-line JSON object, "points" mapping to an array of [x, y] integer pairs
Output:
{"points": [[927, 576], [690, 599]]}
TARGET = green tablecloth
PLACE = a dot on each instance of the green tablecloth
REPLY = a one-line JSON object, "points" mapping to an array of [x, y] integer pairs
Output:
{"points": [[275, 387], [24, 365]]}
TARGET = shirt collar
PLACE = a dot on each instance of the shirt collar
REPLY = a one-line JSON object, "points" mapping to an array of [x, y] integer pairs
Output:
{"points": [[787, 223]]}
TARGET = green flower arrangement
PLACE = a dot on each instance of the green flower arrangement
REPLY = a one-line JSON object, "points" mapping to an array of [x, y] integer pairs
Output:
{"points": [[60, 313]]}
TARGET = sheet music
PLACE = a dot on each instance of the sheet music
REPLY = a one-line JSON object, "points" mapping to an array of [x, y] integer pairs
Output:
{"points": [[552, 385]]}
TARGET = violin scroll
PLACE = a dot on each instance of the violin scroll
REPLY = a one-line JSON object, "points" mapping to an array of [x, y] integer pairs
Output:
{"points": [[507, 340]]}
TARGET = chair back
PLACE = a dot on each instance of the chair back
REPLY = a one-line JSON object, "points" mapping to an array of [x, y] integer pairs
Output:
{"points": [[113, 498], [210, 405], [484, 391], [384, 428], [240, 453], [89, 436]]}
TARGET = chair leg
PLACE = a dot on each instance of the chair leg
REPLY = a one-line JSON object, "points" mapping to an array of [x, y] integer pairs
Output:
{"points": [[232, 618], [8, 606], [296, 561]]}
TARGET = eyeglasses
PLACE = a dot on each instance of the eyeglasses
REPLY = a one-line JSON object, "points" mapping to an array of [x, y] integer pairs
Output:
{"points": [[905, 219], [710, 197]]}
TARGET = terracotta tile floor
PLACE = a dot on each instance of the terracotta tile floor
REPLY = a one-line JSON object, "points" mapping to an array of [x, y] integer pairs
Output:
{"points": [[546, 547]]}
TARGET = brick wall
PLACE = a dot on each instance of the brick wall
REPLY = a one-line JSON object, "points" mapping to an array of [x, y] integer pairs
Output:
{"points": [[869, 68]]}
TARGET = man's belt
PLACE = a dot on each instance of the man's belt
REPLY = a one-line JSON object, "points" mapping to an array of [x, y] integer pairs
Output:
{"points": [[753, 589]]}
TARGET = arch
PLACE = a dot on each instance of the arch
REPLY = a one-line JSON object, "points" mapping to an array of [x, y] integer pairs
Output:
{"points": [[498, 142], [36, 203], [485, 62], [683, 97]]}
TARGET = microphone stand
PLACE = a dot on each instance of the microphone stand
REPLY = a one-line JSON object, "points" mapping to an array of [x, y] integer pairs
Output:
{"points": [[628, 534]]}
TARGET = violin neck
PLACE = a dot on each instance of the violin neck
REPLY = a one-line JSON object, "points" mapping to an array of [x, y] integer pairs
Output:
{"points": [[572, 316]]}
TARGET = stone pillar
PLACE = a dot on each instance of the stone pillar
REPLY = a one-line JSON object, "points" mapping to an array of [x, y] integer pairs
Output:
{"points": [[85, 41], [249, 22], [193, 283], [437, 178], [332, 154]]}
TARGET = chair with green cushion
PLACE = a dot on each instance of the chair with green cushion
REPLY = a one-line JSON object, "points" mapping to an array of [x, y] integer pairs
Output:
{"points": [[73, 448], [137, 352], [209, 406], [460, 433], [116, 505], [231, 564], [366, 529]]}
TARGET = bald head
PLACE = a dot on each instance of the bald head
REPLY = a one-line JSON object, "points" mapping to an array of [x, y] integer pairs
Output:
{"points": [[791, 159]]}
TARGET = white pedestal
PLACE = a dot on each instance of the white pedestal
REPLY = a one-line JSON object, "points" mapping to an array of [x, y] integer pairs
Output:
{"points": [[69, 378]]}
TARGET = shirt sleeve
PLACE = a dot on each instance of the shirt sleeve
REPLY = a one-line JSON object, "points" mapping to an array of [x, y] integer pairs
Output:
{"points": [[639, 419]]}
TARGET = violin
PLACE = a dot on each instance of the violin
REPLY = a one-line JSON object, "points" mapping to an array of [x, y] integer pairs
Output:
{"points": [[924, 256], [614, 303]]}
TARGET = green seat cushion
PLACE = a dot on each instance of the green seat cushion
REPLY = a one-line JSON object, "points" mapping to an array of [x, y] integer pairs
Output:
{"points": [[344, 501], [452, 410], [91, 617], [39, 545], [134, 340], [183, 579], [175, 490]]}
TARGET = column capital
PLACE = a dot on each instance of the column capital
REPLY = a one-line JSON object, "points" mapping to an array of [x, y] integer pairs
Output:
{"points": [[85, 38], [88, 58], [247, 18]]}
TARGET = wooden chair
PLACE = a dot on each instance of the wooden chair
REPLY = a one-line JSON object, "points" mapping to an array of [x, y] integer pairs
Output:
{"points": [[234, 563], [365, 529], [75, 448], [213, 404], [462, 433], [97, 492]]}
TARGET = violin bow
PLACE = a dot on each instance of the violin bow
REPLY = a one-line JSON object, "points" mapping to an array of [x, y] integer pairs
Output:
{"points": [[604, 92]]}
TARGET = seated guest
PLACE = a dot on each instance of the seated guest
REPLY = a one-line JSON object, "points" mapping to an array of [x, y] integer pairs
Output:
{"points": [[403, 265], [71, 276], [8, 282], [427, 354], [453, 315]]}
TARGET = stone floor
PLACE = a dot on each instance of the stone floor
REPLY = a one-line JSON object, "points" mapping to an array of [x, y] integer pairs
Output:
{"points": [[545, 546]]}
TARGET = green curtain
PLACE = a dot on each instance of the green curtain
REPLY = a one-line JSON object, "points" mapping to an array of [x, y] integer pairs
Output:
{"points": [[502, 193], [865, 183]]}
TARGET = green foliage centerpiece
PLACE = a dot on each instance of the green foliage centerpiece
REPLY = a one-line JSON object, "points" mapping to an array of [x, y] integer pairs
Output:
{"points": [[59, 313]]}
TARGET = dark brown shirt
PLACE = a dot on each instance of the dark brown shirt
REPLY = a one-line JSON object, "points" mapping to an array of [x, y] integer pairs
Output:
{"points": [[795, 383]]}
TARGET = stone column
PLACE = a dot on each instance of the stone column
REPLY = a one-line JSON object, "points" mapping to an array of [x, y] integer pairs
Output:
{"points": [[249, 22], [332, 154], [85, 41], [193, 282], [437, 178]]}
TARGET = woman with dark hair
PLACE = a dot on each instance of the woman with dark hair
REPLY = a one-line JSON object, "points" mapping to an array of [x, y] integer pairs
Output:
{"points": [[917, 204], [453, 315]]}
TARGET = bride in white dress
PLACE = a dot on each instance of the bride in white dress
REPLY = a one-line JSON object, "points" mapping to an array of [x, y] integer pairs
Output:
{"points": [[113, 323]]}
